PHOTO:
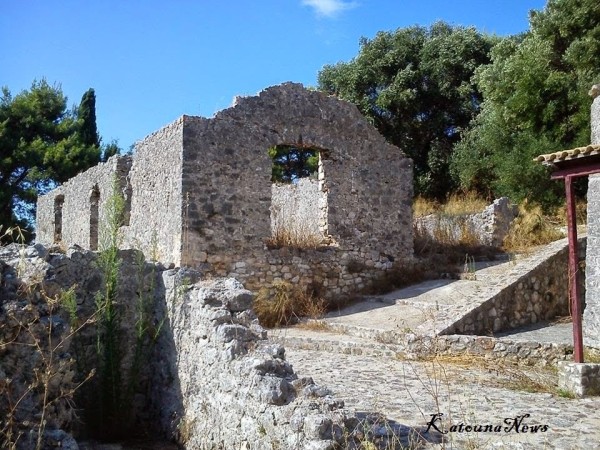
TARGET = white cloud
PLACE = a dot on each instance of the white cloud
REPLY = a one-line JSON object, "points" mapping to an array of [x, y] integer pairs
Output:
{"points": [[329, 8]]}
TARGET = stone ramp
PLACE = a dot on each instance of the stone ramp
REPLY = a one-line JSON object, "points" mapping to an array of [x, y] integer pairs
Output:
{"points": [[501, 296]]}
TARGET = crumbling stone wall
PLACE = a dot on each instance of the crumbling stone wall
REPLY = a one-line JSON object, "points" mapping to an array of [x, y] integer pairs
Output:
{"points": [[591, 314], [227, 180], [78, 202], [157, 202], [221, 384], [488, 227], [212, 380], [199, 194]]}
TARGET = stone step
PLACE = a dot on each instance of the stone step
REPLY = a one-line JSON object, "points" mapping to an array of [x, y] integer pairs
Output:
{"points": [[332, 342]]}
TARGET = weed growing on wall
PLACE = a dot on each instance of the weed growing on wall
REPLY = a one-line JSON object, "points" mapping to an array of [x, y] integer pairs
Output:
{"points": [[37, 377], [108, 327], [120, 377]]}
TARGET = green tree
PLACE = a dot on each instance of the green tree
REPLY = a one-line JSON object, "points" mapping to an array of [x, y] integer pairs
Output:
{"points": [[291, 163], [536, 101], [88, 130], [415, 85], [40, 147]]}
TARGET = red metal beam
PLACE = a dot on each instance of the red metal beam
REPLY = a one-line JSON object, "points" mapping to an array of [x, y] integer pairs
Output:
{"points": [[577, 171], [574, 271]]}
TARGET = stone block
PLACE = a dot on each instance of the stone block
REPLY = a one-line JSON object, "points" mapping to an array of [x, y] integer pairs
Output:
{"points": [[579, 379]]}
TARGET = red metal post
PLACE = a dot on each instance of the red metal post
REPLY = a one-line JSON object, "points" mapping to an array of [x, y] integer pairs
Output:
{"points": [[574, 272]]}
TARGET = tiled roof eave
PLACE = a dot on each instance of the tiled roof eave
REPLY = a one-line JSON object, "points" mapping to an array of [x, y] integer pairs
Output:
{"points": [[567, 155]]}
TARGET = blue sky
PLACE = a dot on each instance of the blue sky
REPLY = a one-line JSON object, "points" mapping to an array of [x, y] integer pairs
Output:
{"points": [[152, 61]]}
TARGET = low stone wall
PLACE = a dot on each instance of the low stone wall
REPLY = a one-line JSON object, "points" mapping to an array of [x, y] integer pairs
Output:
{"points": [[412, 346], [579, 379], [518, 352], [488, 227], [331, 272], [537, 290]]}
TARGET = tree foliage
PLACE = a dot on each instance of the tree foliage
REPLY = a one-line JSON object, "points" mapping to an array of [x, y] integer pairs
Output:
{"points": [[88, 131], [415, 85], [535, 92], [292, 162], [42, 144]]}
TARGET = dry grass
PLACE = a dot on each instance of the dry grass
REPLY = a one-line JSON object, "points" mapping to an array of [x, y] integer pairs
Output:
{"points": [[294, 238], [423, 207], [530, 229], [284, 304], [505, 374], [455, 205], [315, 325], [467, 203], [559, 215]]}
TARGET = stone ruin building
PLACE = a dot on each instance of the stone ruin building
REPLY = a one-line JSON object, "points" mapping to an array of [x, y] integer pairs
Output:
{"points": [[198, 193]]}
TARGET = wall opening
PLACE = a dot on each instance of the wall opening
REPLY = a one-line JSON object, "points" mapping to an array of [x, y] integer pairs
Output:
{"points": [[94, 217], [59, 201], [298, 197], [127, 193]]}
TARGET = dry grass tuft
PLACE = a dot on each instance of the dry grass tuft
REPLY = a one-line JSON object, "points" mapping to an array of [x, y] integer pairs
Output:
{"points": [[560, 214], [284, 304], [295, 238], [315, 325], [455, 205], [424, 207], [506, 375], [461, 204], [530, 229]]}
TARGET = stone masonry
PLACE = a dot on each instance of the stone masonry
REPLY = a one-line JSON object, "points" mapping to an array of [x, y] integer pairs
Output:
{"points": [[591, 314], [199, 194], [488, 227]]}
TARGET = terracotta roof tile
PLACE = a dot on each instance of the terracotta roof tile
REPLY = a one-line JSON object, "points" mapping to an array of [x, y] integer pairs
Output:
{"points": [[565, 155]]}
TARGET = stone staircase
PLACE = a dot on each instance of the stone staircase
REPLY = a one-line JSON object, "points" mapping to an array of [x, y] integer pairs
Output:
{"points": [[435, 316]]}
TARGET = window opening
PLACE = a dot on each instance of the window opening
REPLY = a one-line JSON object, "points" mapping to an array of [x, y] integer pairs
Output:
{"points": [[59, 201], [298, 197], [94, 205], [290, 163]]}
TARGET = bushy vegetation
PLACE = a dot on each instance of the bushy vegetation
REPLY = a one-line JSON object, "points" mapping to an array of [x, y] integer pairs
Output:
{"points": [[414, 84], [472, 110], [43, 144]]}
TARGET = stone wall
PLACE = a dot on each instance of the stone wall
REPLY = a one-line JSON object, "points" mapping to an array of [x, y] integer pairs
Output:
{"points": [[221, 384], [489, 227], [209, 378], [299, 211], [227, 179], [200, 194], [541, 294], [157, 201], [73, 204], [595, 114], [591, 314]]}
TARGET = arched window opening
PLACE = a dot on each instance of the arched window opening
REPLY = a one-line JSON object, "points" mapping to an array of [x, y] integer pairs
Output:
{"points": [[94, 217], [59, 201]]}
